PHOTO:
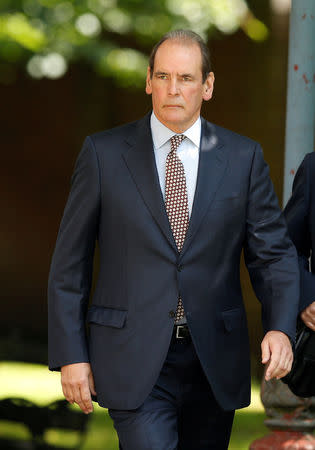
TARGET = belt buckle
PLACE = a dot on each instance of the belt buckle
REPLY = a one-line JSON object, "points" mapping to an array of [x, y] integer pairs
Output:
{"points": [[179, 327]]}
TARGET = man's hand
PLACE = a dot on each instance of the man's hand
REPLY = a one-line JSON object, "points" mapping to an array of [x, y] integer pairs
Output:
{"points": [[308, 316], [78, 384], [277, 352]]}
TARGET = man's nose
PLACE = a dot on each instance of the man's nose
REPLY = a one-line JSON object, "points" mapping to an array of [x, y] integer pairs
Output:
{"points": [[173, 88]]}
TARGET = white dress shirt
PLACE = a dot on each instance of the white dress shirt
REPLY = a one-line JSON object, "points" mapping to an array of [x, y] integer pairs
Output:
{"points": [[188, 153]]}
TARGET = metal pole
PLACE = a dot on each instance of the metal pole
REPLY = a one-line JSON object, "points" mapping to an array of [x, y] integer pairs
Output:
{"points": [[300, 118]]}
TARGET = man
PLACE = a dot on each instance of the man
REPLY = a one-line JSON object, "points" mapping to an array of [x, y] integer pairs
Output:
{"points": [[300, 217], [172, 201]]}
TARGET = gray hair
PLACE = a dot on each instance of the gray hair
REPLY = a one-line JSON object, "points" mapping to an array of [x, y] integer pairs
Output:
{"points": [[185, 37]]}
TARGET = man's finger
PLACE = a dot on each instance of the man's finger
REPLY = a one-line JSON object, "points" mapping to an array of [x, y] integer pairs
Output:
{"points": [[308, 316], [67, 391], [78, 398], [287, 368], [86, 398], [91, 384], [265, 352], [283, 364], [273, 366], [310, 325], [283, 373]]}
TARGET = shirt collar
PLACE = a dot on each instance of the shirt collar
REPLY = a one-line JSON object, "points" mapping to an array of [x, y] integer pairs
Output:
{"points": [[161, 134]]}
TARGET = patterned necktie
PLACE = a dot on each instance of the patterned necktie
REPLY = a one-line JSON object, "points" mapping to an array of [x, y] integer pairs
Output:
{"points": [[176, 202]]}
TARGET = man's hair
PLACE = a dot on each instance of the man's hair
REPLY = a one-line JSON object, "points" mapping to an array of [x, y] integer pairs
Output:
{"points": [[185, 37]]}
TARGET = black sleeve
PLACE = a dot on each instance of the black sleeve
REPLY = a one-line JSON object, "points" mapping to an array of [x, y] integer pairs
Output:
{"points": [[297, 216]]}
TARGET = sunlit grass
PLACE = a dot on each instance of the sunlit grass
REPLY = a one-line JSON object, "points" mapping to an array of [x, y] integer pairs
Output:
{"points": [[30, 381], [35, 383], [246, 428]]}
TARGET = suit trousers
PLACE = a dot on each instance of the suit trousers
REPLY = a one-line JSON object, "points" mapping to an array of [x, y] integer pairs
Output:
{"points": [[180, 413]]}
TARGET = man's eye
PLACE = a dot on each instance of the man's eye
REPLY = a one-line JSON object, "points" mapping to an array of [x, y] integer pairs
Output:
{"points": [[163, 77], [186, 78]]}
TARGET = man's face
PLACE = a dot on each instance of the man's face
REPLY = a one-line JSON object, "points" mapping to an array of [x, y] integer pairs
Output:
{"points": [[176, 85]]}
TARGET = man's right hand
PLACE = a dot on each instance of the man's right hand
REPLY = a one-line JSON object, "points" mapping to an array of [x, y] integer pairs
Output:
{"points": [[308, 316], [78, 384]]}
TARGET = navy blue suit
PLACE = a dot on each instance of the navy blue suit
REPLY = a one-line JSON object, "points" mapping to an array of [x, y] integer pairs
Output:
{"points": [[115, 199], [300, 217]]}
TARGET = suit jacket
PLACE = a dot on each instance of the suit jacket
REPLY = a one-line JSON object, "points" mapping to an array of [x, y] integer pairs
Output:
{"points": [[300, 217], [116, 199]]}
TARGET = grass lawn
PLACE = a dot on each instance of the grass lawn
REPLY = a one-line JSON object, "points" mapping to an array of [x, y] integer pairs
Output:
{"points": [[37, 384]]}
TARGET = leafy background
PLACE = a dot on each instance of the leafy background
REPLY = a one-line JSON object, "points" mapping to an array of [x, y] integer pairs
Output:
{"points": [[111, 36]]}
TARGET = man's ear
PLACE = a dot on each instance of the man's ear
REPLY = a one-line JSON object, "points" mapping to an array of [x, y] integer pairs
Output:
{"points": [[208, 87], [148, 84]]}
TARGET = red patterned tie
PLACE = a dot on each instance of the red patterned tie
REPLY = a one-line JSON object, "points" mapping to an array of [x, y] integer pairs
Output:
{"points": [[176, 202]]}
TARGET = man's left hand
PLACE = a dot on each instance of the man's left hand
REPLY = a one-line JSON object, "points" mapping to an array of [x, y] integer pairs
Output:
{"points": [[277, 354]]}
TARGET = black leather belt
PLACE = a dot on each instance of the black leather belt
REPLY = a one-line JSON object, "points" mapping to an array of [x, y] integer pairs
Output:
{"points": [[181, 332]]}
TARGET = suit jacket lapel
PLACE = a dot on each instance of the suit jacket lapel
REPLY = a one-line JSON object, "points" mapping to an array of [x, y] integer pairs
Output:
{"points": [[212, 165], [140, 161]]}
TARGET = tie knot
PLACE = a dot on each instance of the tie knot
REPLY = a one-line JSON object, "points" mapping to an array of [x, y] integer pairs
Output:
{"points": [[176, 140]]}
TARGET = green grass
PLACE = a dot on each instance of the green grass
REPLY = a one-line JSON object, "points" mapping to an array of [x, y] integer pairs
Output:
{"points": [[247, 427], [35, 383]]}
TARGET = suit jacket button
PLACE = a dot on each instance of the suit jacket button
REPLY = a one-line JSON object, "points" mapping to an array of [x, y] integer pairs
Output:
{"points": [[171, 314], [179, 268]]}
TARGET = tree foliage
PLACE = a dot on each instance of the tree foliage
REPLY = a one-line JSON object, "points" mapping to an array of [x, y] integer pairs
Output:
{"points": [[114, 37]]}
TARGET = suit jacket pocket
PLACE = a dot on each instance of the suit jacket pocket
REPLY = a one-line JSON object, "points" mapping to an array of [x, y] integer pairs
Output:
{"points": [[109, 317], [232, 318]]}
